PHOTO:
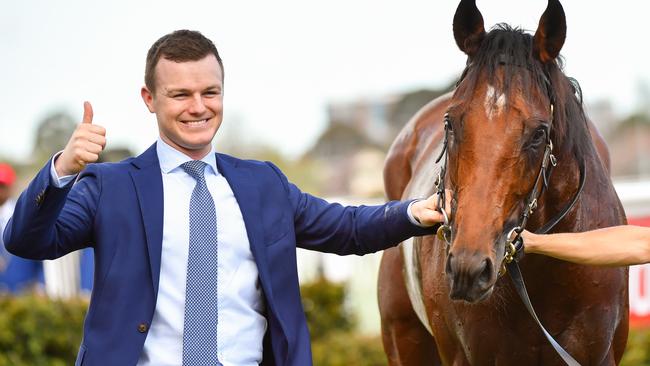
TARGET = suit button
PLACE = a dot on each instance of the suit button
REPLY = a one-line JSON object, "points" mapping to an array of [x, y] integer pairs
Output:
{"points": [[40, 197], [142, 327]]}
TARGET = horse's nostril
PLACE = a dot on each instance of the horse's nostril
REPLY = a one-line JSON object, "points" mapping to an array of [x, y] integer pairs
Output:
{"points": [[486, 272]]}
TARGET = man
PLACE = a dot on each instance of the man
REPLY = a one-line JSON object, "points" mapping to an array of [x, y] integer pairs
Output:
{"points": [[195, 257], [16, 274], [612, 246]]}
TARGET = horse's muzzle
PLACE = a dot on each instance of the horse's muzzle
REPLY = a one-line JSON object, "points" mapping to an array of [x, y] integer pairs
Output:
{"points": [[471, 276]]}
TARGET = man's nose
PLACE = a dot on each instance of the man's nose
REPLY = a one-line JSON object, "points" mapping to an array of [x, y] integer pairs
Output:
{"points": [[197, 106]]}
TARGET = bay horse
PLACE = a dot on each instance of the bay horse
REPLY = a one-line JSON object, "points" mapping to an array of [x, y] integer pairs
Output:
{"points": [[445, 303]]}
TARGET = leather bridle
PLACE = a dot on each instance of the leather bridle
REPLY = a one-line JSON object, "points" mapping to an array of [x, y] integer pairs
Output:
{"points": [[514, 244], [514, 249]]}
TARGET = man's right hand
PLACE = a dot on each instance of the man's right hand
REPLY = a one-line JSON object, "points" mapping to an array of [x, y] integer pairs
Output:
{"points": [[84, 146]]}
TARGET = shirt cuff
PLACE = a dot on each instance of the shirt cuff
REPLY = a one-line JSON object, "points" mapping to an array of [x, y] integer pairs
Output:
{"points": [[57, 181], [412, 218]]}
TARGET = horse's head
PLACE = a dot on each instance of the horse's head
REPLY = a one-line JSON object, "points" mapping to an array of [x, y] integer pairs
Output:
{"points": [[500, 120]]}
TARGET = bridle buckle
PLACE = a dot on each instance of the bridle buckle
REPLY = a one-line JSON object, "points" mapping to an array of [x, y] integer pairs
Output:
{"points": [[532, 206], [444, 231], [513, 237]]}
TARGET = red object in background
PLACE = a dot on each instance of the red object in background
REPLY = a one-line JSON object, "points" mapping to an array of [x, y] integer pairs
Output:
{"points": [[7, 174], [640, 286], [641, 221]]}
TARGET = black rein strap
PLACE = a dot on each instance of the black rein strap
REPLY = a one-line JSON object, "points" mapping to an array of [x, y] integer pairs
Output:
{"points": [[551, 224], [518, 280]]}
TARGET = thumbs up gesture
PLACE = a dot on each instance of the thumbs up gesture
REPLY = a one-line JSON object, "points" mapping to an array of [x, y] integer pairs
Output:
{"points": [[84, 146]]}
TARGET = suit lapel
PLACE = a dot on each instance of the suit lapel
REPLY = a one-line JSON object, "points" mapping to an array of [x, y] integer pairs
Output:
{"points": [[148, 184], [248, 197]]}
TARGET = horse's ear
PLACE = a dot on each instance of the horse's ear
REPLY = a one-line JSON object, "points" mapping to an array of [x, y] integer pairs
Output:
{"points": [[551, 32], [468, 27]]}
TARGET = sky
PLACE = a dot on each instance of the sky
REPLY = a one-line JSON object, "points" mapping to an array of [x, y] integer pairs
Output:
{"points": [[284, 59]]}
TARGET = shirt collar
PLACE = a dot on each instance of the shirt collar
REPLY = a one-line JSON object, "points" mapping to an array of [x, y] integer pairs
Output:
{"points": [[171, 158]]}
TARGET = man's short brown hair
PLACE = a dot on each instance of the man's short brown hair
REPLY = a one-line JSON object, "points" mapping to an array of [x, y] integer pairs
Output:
{"points": [[178, 46]]}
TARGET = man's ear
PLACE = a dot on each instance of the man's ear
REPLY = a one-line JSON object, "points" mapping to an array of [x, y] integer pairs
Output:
{"points": [[147, 97]]}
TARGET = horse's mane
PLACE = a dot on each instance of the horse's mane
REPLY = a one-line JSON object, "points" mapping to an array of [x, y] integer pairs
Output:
{"points": [[510, 51]]}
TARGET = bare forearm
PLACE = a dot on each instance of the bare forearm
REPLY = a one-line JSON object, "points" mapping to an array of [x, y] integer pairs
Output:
{"points": [[613, 246]]}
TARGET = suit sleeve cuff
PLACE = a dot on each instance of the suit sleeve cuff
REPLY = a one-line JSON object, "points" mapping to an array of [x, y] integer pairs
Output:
{"points": [[59, 182], [411, 217]]}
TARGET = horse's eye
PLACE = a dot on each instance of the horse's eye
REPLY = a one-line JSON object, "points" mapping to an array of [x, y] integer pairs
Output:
{"points": [[539, 137]]}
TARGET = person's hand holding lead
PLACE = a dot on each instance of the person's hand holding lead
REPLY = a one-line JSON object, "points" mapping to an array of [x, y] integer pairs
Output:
{"points": [[428, 212]]}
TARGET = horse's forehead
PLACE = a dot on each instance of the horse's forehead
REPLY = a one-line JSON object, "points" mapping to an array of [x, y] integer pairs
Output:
{"points": [[494, 101]]}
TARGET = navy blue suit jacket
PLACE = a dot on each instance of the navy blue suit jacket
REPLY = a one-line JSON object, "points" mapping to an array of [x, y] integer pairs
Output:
{"points": [[117, 209]]}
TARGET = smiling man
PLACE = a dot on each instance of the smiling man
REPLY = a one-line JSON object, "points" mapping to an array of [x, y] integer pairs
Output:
{"points": [[195, 251], [188, 102]]}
